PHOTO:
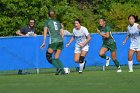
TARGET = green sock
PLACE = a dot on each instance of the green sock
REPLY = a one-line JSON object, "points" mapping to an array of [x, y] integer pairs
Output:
{"points": [[103, 56], [55, 64], [116, 63], [59, 63]]}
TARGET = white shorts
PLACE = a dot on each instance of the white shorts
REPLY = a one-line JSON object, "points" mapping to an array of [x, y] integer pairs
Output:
{"points": [[80, 49], [136, 48]]}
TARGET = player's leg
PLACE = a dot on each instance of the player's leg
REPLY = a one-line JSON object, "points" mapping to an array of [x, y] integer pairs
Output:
{"points": [[113, 55], [138, 56], [130, 61], [49, 53], [102, 52], [82, 61], [56, 57]]}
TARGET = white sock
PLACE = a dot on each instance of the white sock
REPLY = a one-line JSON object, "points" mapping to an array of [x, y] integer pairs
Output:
{"points": [[130, 65], [107, 58], [81, 66]]}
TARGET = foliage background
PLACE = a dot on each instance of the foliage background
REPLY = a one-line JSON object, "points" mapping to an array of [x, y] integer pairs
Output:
{"points": [[14, 14]]}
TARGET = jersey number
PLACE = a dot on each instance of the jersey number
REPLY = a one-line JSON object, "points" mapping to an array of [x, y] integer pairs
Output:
{"points": [[55, 25]]}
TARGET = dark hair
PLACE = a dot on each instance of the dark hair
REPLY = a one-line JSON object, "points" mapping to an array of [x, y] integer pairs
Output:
{"points": [[31, 19], [102, 19], [52, 13], [78, 20], [132, 16]]}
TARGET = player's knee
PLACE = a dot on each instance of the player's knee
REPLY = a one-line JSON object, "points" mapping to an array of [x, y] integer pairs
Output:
{"points": [[129, 58], [81, 60], [76, 60], [113, 58], [101, 54], [49, 57]]}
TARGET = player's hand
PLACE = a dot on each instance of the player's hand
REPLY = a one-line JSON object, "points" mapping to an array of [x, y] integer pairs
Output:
{"points": [[98, 31], [124, 42], [67, 45], [81, 45], [43, 45]]}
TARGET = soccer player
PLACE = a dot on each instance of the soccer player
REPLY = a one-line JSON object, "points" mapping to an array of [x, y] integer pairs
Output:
{"points": [[56, 41], [134, 35], [81, 47], [108, 43]]}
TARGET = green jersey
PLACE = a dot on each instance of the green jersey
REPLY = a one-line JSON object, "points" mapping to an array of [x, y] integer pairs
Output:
{"points": [[104, 30], [54, 28]]}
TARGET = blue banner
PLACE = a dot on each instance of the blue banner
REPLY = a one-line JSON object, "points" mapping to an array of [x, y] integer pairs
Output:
{"points": [[25, 53]]}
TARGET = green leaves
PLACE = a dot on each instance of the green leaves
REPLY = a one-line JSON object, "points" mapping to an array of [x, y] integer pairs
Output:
{"points": [[14, 14]]}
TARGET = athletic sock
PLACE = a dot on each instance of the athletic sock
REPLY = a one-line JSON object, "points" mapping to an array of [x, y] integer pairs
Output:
{"points": [[60, 63], [55, 64], [116, 63], [81, 66], [130, 65]]}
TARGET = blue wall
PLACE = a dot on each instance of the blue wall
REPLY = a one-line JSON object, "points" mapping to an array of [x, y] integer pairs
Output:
{"points": [[25, 52]]}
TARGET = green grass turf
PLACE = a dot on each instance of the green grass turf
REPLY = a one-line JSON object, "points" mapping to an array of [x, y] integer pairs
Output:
{"points": [[89, 82]]}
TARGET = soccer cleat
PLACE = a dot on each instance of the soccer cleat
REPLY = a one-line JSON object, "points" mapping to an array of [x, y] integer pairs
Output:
{"points": [[80, 72], [107, 61], [58, 70], [130, 71], [119, 70]]}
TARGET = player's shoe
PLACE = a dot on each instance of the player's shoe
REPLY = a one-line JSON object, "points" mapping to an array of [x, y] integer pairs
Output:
{"points": [[80, 72], [107, 61], [58, 70], [130, 71], [119, 70]]}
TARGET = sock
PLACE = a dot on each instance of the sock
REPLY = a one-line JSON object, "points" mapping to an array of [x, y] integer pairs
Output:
{"points": [[130, 65], [55, 64], [81, 66], [104, 57], [59, 63], [116, 63]]}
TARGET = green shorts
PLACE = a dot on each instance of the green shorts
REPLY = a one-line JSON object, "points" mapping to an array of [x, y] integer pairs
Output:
{"points": [[56, 46], [110, 47]]}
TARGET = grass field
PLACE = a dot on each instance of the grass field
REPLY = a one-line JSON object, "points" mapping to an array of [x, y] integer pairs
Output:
{"points": [[89, 82]]}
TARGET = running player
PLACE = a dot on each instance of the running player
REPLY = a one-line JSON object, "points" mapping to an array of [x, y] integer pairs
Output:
{"points": [[56, 41], [134, 35], [108, 43], [81, 47]]}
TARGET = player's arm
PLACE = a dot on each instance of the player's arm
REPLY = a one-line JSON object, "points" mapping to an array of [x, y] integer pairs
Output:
{"points": [[19, 33], [106, 35], [44, 37], [71, 40], [125, 39], [62, 32], [139, 26], [87, 40]]}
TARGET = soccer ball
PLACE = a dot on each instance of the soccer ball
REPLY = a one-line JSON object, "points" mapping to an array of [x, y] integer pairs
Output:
{"points": [[67, 70]]}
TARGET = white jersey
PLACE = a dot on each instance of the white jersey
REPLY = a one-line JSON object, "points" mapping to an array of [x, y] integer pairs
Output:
{"points": [[134, 34], [80, 35]]}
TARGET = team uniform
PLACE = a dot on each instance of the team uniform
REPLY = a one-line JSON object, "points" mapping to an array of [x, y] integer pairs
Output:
{"points": [[55, 43], [108, 43], [54, 28], [134, 34], [27, 30], [80, 36]]}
